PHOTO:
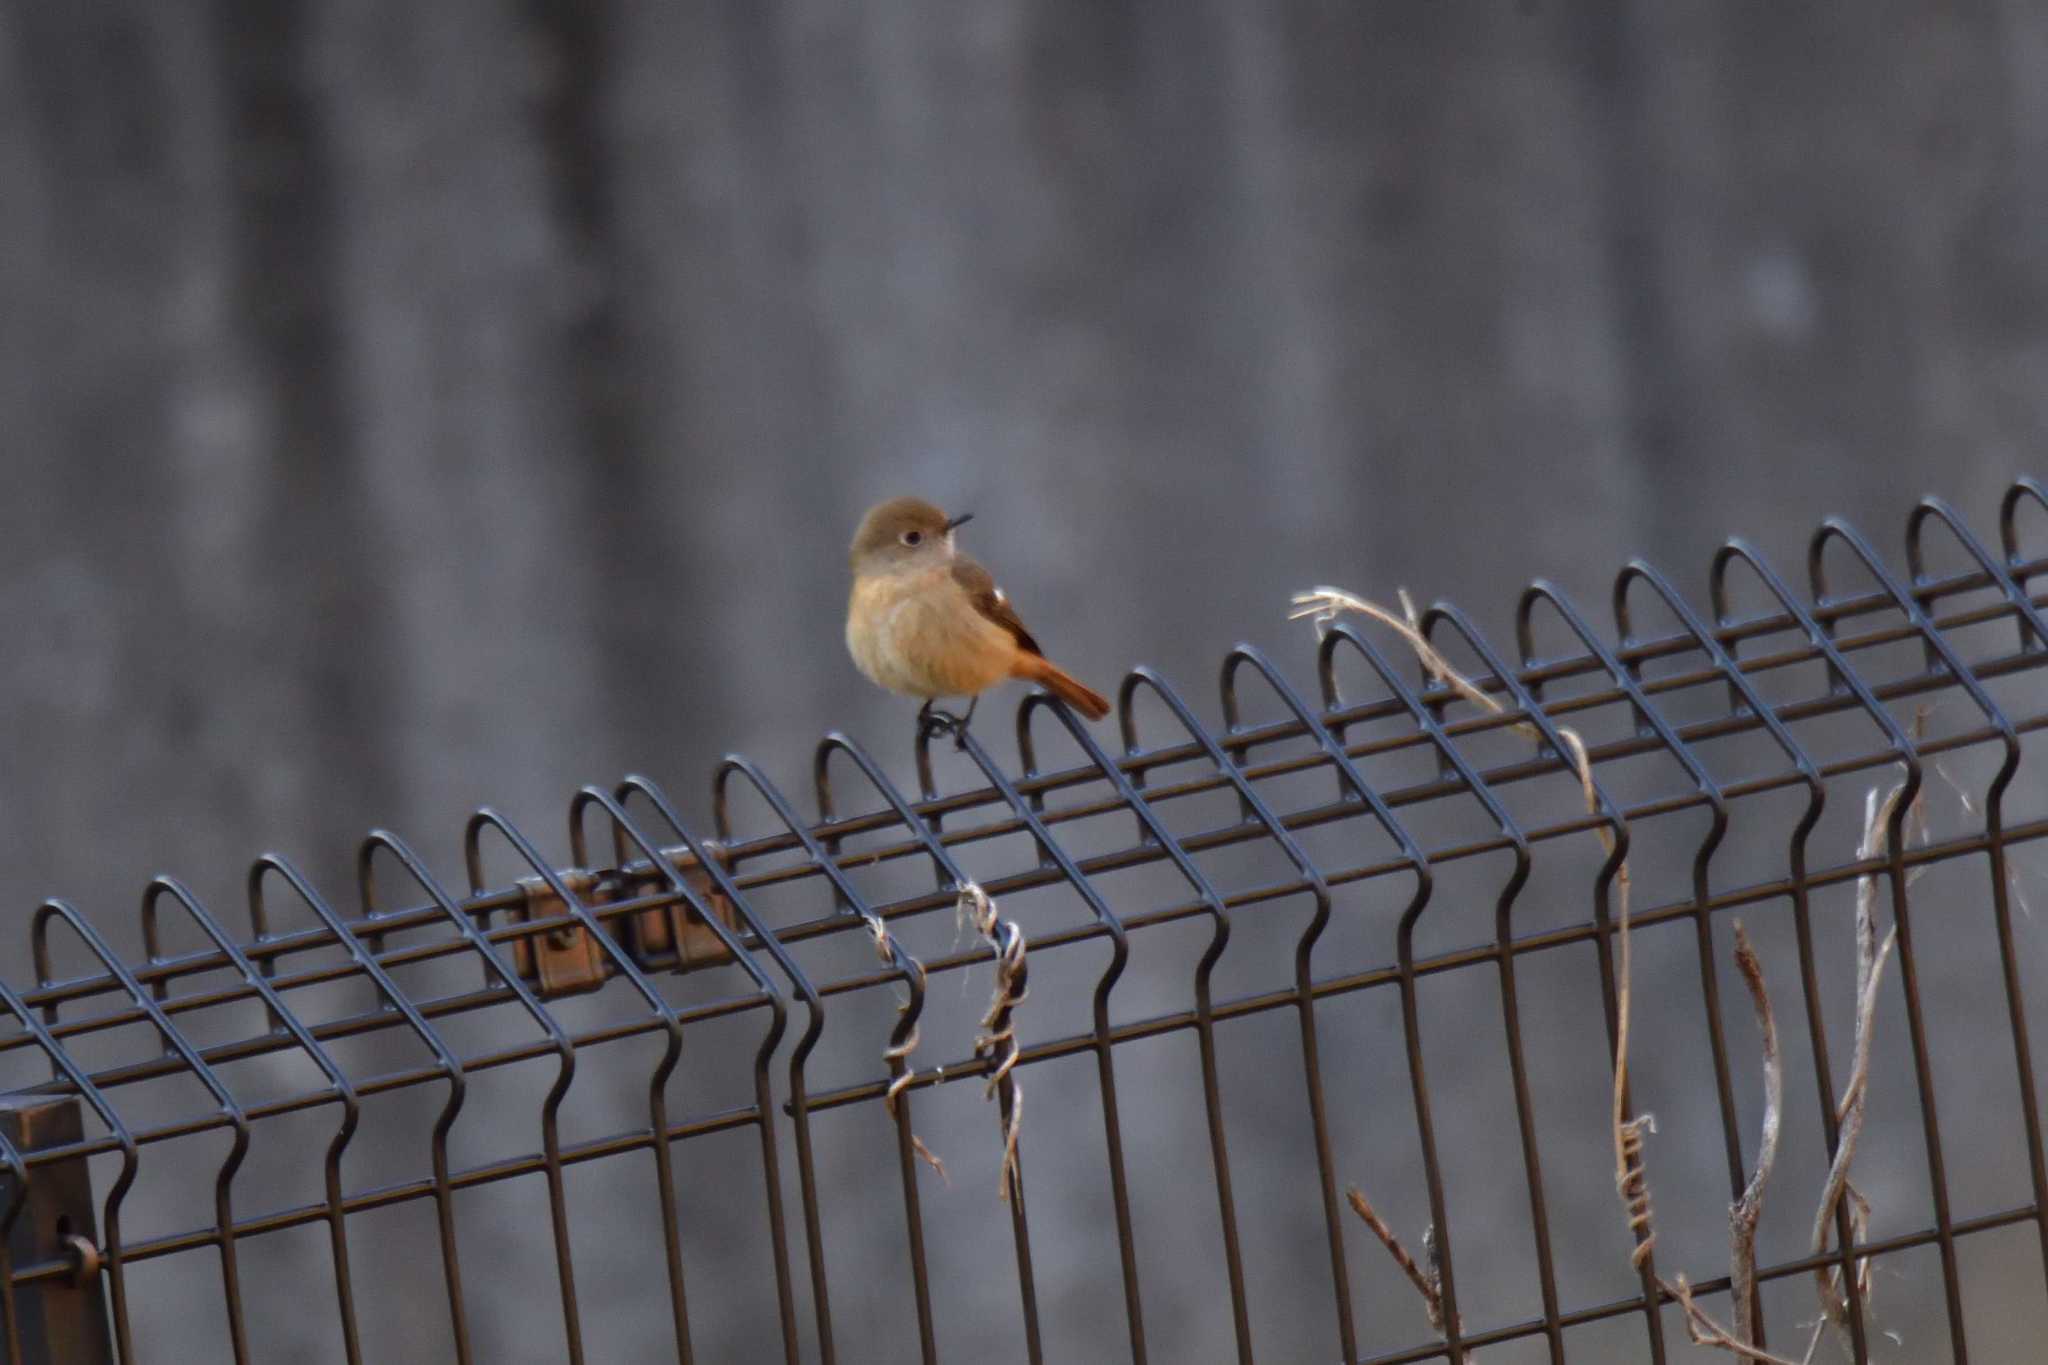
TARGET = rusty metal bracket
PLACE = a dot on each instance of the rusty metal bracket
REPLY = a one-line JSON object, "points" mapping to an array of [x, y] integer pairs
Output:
{"points": [[63, 1320], [676, 936], [566, 960]]}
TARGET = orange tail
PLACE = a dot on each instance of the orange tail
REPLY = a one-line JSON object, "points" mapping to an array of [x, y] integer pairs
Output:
{"points": [[1039, 669]]}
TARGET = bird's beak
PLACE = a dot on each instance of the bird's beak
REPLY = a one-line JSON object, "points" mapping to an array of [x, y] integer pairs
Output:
{"points": [[960, 520]]}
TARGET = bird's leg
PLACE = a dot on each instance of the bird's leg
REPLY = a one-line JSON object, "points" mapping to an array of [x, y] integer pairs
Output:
{"points": [[924, 713], [960, 724]]}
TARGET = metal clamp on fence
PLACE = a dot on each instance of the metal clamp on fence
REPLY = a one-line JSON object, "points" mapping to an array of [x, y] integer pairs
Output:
{"points": [[675, 936], [566, 960]]}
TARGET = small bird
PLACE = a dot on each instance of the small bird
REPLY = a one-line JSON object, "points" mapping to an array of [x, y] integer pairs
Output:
{"points": [[927, 621]]}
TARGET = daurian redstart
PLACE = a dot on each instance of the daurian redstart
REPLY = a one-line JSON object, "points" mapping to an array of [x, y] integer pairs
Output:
{"points": [[927, 621]]}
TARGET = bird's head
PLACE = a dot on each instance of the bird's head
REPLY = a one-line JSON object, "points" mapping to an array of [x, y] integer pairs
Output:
{"points": [[903, 533]]}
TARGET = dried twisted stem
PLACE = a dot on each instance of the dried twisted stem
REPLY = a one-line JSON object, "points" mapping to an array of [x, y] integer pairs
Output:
{"points": [[903, 1043], [1871, 956], [1744, 1213], [1631, 1175], [1631, 1179], [1872, 953], [1326, 604], [998, 1036], [1704, 1331]]}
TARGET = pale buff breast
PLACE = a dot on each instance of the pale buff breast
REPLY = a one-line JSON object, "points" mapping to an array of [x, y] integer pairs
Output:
{"points": [[917, 633]]}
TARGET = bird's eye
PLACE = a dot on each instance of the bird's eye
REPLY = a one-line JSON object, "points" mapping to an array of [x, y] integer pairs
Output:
{"points": [[913, 537]]}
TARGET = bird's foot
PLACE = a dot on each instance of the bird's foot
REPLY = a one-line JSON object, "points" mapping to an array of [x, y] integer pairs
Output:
{"points": [[932, 720]]}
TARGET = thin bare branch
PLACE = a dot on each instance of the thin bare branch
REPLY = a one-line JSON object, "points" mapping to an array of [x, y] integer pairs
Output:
{"points": [[1428, 1282]]}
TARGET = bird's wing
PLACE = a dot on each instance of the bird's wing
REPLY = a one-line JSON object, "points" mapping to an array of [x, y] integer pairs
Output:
{"points": [[991, 601]]}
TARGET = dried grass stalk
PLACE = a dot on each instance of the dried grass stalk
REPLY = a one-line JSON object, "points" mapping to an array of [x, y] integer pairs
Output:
{"points": [[897, 1052], [1744, 1213], [998, 1036], [1428, 1282], [1631, 1178]]}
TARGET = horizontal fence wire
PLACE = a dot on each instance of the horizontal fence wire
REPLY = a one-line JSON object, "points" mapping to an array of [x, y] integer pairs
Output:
{"points": [[642, 881]]}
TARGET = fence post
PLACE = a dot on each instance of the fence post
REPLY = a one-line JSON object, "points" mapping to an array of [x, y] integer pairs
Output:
{"points": [[63, 1320]]}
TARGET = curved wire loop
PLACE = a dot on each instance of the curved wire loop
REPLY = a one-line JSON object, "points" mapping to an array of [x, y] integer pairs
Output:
{"points": [[1352, 786], [174, 1042], [1428, 719], [911, 972], [2025, 489], [623, 963], [1741, 695], [1740, 552], [945, 870], [1317, 885], [1008, 947], [1743, 700], [287, 1021], [2032, 629], [1520, 705], [113, 1261], [624, 830], [1516, 699], [1832, 531], [380, 840], [1940, 653], [714, 866], [487, 820], [1051, 854], [275, 867], [1154, 831], [846, 900]]}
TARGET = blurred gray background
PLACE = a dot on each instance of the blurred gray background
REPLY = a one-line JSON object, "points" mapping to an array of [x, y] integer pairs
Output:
{"points": [[415, 406]]}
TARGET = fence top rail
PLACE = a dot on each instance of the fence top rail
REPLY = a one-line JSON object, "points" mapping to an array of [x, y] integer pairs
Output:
{"points": [[1137, 762]]}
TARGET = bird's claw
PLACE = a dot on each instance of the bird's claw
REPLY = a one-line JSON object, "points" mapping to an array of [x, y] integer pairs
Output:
{"points": [[934, 721]]}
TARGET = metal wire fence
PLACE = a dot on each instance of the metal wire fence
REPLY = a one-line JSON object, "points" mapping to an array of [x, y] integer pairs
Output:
{"points": [[1241, 866]]}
